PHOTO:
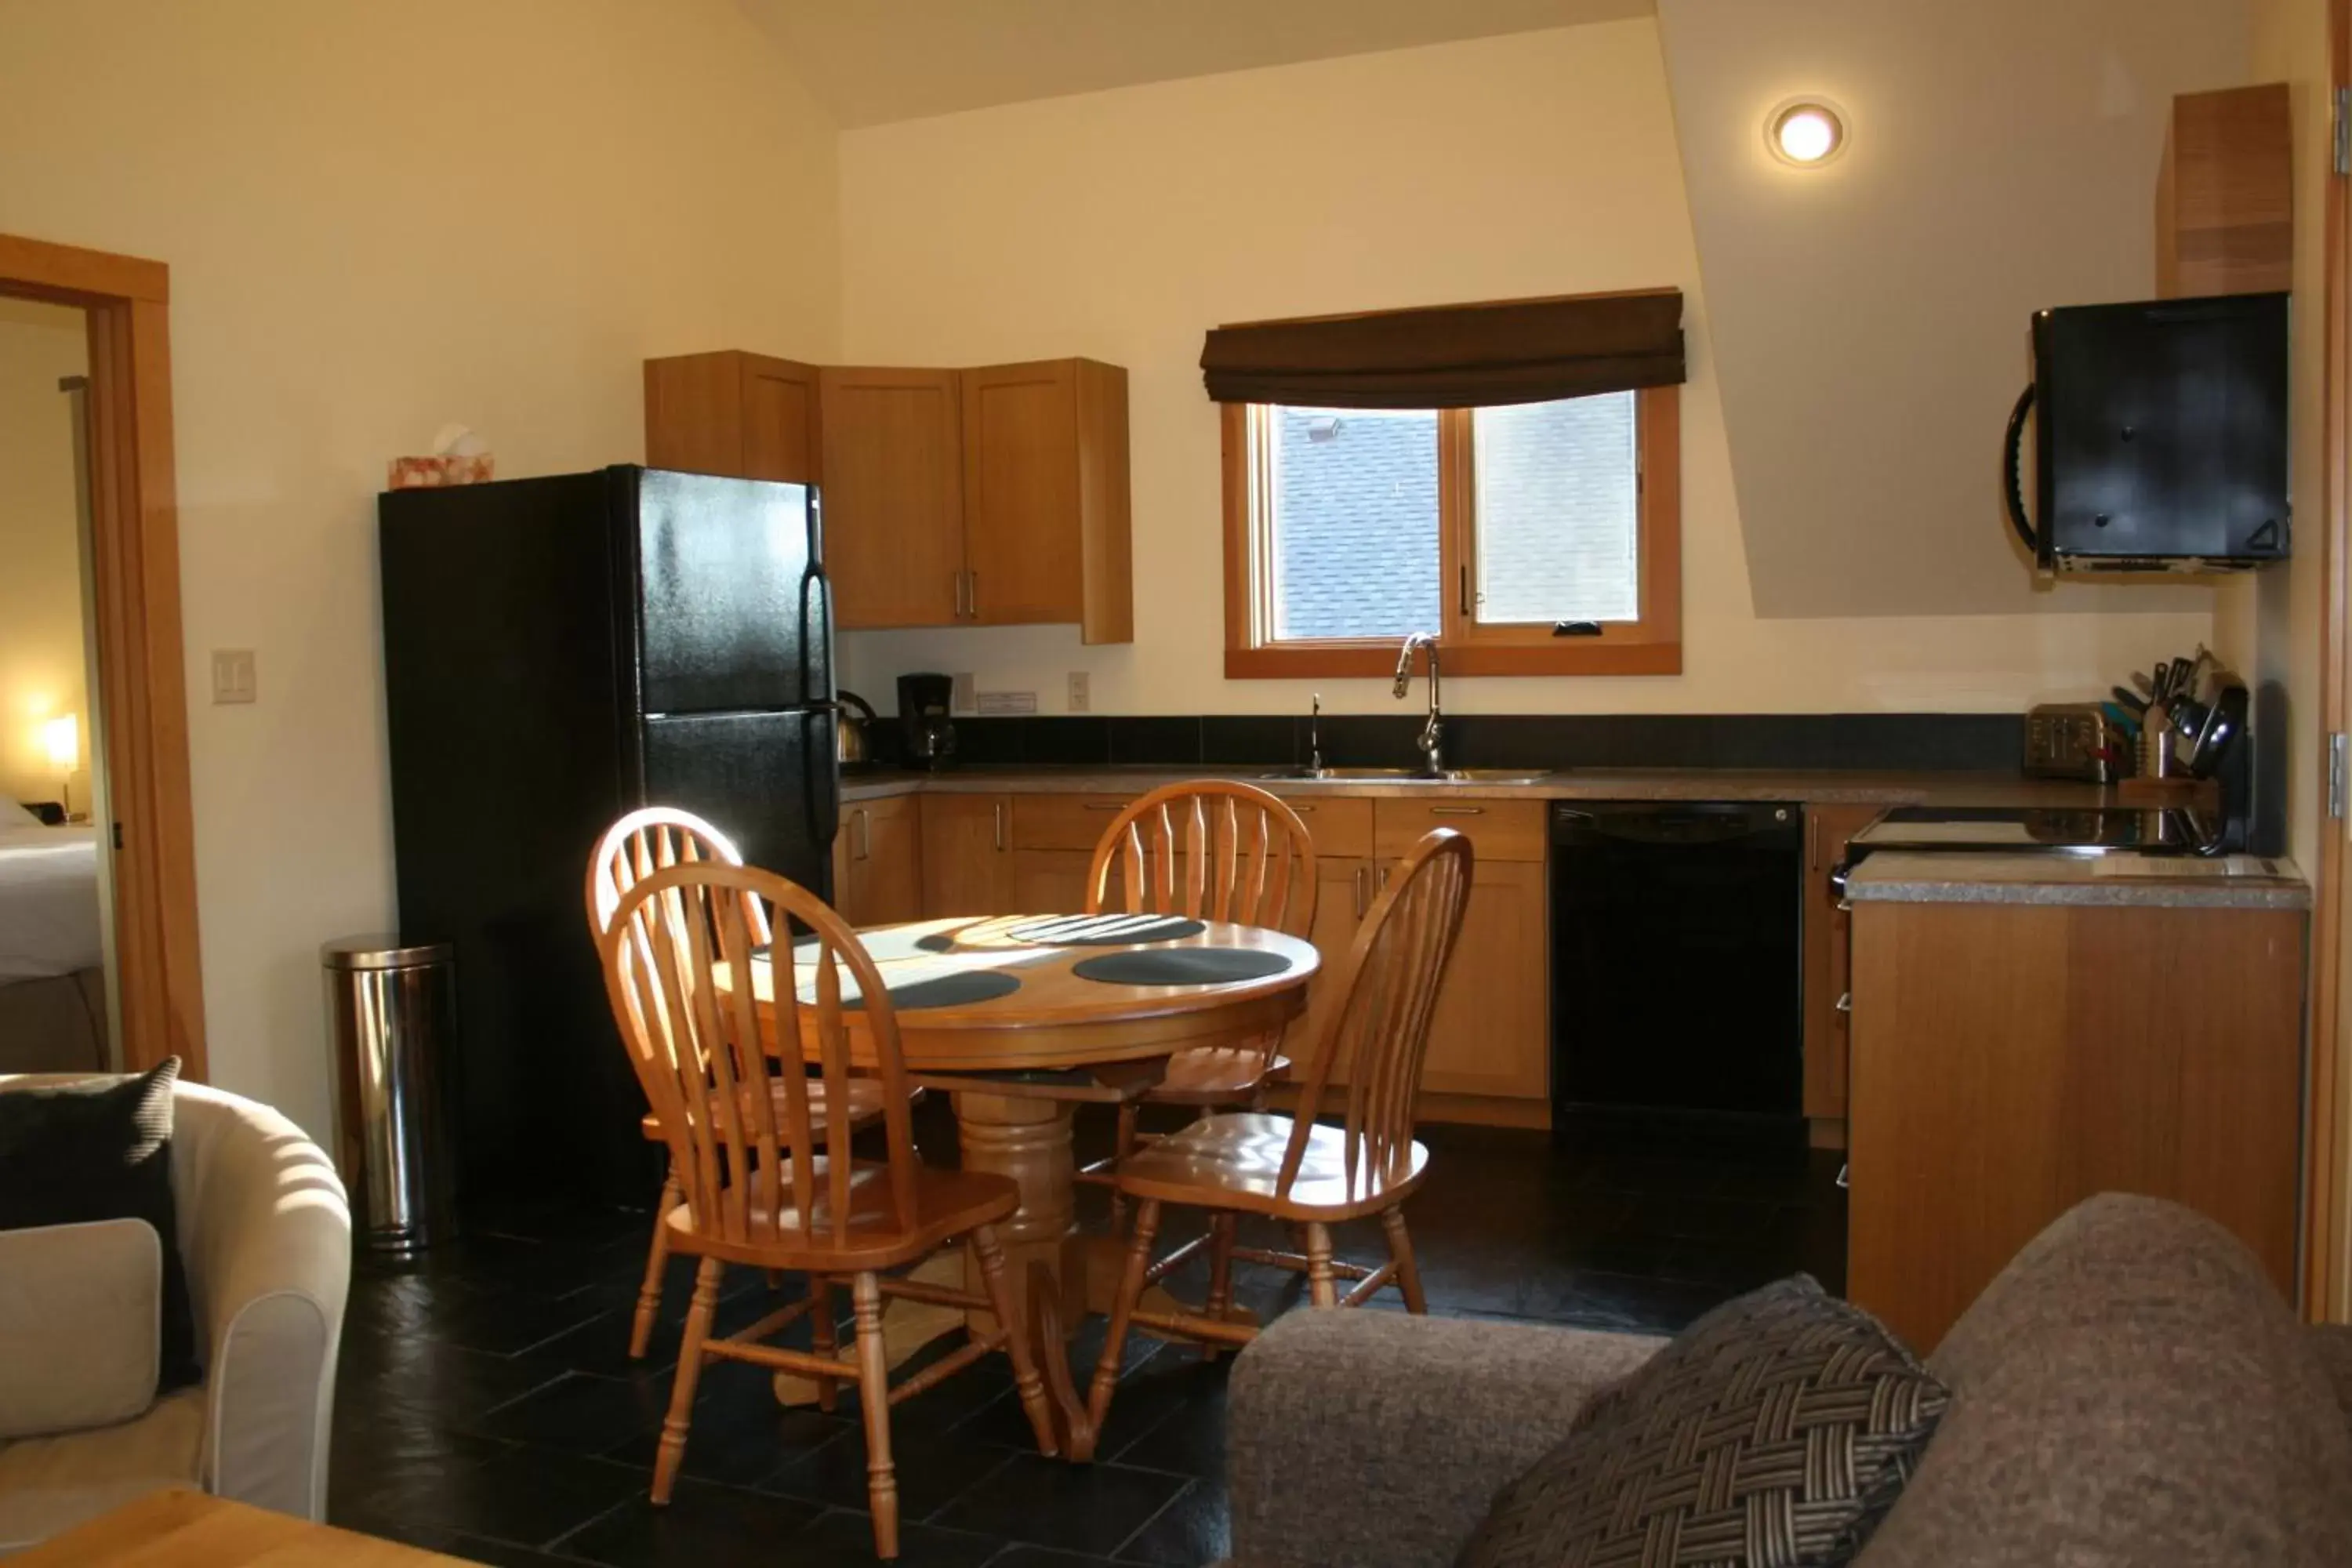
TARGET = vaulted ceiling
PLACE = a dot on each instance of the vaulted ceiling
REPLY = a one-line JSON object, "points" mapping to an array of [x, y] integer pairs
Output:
{"points": [[873, 61]]}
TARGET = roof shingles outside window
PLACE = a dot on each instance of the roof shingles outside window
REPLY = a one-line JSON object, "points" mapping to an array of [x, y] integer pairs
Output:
{"points": [[1356, 518]]}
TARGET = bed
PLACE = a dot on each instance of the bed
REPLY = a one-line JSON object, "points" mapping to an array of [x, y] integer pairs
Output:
{"points": [[52, 957]]}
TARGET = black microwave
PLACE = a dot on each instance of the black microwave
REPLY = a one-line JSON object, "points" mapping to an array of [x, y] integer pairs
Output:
{"points": [[2161, 437]]}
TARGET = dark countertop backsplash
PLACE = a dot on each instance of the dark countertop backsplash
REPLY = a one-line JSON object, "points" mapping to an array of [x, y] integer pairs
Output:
{"points": [[1905, 742]]}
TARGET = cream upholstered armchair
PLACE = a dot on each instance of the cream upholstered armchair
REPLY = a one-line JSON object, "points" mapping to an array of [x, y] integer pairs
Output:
{"points": [[266, 1234]]}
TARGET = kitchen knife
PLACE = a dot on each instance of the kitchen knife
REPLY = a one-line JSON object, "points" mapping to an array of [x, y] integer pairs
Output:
{"points": [[2130, 702]]}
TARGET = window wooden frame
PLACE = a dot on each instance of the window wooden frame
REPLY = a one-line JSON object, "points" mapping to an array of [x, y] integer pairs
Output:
{"points": [[142, 692], [1650, 645]]}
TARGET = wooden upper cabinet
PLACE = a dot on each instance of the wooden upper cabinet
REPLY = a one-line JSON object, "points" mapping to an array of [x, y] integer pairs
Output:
{"points": [[2225, 193], [747, 415], [1045, 496], [893, 496]]}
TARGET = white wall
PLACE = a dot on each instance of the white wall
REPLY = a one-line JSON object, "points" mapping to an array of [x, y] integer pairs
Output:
{"points": [[42, 663], [1871, 313], [1123, 224], [379, 217]]}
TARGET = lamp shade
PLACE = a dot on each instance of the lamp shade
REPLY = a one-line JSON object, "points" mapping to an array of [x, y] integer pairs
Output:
{"points": [[62, 737]]}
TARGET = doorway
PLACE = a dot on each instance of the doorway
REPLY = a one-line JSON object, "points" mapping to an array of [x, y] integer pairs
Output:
{"points": [[132, 710], [59, 1002]]}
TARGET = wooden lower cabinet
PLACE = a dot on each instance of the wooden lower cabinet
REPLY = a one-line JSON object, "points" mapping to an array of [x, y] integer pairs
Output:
{"points": [[1050, 882], [2011, 1059], [1342, 892], [877, 861], [967, 856], [1491, 1034]]}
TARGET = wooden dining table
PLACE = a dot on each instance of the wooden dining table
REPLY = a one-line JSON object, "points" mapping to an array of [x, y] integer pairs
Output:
{"points": [[1016, 1066]]}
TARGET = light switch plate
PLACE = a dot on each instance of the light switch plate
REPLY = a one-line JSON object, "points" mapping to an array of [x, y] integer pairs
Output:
{"points": [[960, 693], [1081, 696], [232, 677]]}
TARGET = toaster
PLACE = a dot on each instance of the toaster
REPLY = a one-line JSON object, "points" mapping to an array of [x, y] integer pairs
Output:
{"points": [[2072, 740]]}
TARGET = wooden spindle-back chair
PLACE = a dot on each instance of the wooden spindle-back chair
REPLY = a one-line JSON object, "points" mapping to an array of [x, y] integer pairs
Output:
{"points": [[1212, 850], [652, 839], [1323, 1175], [768, 1182]]}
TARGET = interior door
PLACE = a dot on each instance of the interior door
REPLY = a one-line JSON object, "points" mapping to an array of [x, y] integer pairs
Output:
{"points": [[893, 496], [1021, 494]]}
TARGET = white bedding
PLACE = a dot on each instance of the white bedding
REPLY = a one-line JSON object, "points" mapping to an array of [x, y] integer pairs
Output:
{"points": [[48, 901]]}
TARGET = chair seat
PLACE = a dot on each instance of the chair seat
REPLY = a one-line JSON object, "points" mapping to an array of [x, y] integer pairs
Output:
{"points": [[864, 1106], [1215, 1075], [1235, 1162], [948, 1204]]}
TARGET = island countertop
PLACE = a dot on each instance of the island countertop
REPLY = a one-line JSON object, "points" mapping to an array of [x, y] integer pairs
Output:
{"points": [[2123, 879]]}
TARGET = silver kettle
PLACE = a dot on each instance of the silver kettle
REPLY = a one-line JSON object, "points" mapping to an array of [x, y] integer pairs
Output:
{"points": [[853, 729]]}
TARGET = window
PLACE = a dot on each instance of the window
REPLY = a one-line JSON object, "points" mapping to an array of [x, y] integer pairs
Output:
{"points": [[1533, 539]]}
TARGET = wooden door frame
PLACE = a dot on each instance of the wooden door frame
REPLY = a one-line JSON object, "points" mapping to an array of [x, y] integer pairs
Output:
{"points": [[2325, 1295], [142, 688]]}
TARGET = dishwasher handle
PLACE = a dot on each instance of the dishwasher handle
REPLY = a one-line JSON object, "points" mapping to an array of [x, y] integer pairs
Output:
{"points": [[1671, 822]]}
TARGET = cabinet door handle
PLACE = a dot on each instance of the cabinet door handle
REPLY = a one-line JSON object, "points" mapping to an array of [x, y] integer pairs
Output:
{"points": [[996, 820], [1457, 811], [1105, 805], [1384, 876], [1362, 877], [1301, 810], [864, 833], [1845, 906], [1845, 1003], [972, 577], [957, 613]]}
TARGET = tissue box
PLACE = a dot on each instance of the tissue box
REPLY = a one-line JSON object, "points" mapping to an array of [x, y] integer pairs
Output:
{"points": [[430, 473]]}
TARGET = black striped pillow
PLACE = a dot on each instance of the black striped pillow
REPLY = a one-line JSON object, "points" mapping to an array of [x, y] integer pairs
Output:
{"points": [[1775, 1432]]}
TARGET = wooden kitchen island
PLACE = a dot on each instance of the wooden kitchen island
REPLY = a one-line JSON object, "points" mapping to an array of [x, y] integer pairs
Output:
{"points": [[2028, 1030]]}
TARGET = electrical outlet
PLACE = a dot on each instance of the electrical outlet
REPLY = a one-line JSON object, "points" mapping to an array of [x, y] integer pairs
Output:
{"points": [[1081, 699], [960, 693], [233, 680]]}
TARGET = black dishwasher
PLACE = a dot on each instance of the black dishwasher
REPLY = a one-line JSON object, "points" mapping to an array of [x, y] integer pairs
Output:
{"points": [[1676, 958]]}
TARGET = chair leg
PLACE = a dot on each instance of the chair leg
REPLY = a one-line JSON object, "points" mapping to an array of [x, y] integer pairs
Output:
{"points": [[1408, 1269], [1322, 1285], [821, 1338], [1130, 1291], [1222, 1230], [690, 1371], [641, 1332], [874, 1400], [1122, 1145], [1032, 1387]]}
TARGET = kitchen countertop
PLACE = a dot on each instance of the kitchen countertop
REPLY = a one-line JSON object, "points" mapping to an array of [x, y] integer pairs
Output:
{"points": [[1575, 784], [2135, 880]]}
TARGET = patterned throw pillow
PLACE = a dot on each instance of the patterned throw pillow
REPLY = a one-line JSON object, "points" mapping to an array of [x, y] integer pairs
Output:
{"points": [[1775, 1432]]}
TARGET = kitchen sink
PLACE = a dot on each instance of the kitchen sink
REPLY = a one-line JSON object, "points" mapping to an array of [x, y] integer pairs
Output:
{"points": [[1410, 776]]}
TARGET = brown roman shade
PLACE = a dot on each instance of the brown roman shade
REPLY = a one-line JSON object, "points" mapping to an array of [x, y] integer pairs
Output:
{"points": [[1452, 356]]}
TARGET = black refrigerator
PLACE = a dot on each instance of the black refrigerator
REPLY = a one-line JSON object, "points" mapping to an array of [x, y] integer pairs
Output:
{"points": [[557, 652]]}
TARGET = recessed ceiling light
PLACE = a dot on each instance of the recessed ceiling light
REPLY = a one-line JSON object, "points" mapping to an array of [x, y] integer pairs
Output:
{"points": [[1805, 131]]}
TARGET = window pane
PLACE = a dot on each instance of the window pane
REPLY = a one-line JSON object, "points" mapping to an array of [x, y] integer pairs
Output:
{"points": [[1355, 522], [1558, 511]]}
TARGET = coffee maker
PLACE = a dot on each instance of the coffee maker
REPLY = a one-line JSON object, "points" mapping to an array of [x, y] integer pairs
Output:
{"points": [[923, 701]]}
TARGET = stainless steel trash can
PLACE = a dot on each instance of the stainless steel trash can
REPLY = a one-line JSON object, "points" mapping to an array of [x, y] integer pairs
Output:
{"points": [[392, 1011]]}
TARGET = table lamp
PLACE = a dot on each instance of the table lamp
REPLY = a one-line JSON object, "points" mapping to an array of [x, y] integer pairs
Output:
{"points": [[62, 736]]}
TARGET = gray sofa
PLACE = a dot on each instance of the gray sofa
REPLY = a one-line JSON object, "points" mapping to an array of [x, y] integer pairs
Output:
{"points": [[2130, 1391]]}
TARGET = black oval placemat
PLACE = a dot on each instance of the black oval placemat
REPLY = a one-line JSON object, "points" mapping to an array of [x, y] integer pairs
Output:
{"points": [[1105, 930], [1181, 966], [958, 990]]}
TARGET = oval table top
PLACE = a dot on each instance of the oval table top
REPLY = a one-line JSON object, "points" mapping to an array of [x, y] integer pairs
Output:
{"points": [[1057, 1018]]}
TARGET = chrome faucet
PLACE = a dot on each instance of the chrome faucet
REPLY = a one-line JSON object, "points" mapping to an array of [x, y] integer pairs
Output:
{"points": [[1432, 740]]}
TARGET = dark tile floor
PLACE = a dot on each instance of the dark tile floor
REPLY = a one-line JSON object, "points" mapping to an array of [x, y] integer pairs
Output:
{"points": [[487, 1409]]}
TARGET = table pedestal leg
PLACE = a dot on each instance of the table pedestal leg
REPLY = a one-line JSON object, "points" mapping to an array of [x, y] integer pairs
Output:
{"points": [[1029, 1141]]}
